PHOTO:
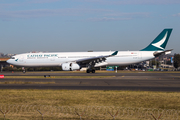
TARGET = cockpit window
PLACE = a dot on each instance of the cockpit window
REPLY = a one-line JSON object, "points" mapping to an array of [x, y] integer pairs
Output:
{"points": [[12, 57]]}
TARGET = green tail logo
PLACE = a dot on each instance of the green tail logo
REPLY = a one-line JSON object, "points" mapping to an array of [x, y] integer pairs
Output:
{"points": [[159, 43]]}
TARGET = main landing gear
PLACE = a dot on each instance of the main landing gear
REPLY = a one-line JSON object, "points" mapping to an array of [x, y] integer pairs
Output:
{"points": [[90, 70], [23, 70]]}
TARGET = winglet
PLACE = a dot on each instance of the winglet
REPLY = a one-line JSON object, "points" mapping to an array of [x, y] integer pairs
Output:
{"points": [[115, 53]]}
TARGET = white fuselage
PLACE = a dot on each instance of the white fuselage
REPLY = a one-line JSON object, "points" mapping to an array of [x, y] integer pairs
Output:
{"points": [[58, 58]]}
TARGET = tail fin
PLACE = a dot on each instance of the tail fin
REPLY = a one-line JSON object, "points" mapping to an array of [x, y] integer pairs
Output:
{"points": [[159, 43]]}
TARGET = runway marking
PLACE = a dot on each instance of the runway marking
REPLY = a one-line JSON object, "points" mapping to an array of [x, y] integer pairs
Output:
{"points": [[106, 82]]}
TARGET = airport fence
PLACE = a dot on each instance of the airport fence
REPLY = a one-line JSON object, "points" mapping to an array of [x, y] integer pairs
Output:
{"points": [[44, 112]]}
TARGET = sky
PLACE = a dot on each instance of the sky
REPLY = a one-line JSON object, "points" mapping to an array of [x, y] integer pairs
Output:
{"points": [[86, 25]]}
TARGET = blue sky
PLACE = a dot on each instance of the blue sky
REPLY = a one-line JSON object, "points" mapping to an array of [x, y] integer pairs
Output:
{"points": [[83, 25]]}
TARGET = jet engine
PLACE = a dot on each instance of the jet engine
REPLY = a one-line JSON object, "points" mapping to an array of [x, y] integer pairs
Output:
{"points": [[70, 66]]}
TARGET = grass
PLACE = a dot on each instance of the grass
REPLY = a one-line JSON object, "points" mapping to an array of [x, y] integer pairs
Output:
{"points": [[23, 99], [163, 100]]}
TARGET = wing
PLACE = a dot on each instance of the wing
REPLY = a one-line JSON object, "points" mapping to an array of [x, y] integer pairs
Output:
{"points": [[95, 59]]}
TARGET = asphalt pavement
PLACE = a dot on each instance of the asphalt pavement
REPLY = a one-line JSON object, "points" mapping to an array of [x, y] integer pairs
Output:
{"points": [[140, 81]]}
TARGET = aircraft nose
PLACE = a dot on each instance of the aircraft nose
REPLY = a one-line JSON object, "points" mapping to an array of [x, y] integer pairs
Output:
{"points": [[9, 61]]}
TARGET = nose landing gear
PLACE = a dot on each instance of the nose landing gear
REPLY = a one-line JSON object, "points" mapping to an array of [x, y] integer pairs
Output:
{"points": [[23, 70]]}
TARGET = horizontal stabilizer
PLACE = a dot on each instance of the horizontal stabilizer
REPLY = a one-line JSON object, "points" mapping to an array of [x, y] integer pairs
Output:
{"points": [[156, 54]]}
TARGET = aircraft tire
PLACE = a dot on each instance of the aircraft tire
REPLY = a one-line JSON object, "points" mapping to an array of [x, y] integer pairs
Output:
{"points": [[93, 71], [87, 71]]}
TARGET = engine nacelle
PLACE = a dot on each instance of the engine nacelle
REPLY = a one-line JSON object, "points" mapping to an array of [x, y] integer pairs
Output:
{"points": [[70, 66]]}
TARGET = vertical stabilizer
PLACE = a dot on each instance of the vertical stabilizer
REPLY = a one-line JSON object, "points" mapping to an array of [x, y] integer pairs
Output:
{"points": [[159, 43]]}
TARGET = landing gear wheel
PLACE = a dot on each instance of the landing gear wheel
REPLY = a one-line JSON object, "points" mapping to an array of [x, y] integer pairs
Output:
{"points": [[24, 71], [87, 71], [93, 71]]}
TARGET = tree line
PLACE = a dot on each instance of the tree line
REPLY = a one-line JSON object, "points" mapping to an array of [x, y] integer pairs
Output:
{"points": [[176, 60]]}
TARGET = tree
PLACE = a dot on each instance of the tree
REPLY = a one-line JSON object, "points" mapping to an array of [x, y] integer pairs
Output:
{"points": [[176, 60]]}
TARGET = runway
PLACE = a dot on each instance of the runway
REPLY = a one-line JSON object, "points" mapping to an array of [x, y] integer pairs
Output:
{"points": [[114, 81]]}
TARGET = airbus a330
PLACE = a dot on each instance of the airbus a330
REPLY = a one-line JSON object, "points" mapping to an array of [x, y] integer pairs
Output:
{"points": [[70, 61]]}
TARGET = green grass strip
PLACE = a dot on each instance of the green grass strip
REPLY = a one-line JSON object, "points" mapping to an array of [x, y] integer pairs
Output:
{"points": [[135, 99]]}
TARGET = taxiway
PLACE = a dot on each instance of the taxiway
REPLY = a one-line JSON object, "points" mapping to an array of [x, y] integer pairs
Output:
{"points": [[117, 81]]}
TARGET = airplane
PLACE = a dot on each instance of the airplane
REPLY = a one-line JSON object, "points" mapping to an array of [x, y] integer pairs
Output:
{"points": [[70, 61]]}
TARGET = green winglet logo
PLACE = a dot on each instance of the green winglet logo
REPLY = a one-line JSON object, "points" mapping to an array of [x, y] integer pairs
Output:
{"points": [[16, 60], [115, 53]]}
